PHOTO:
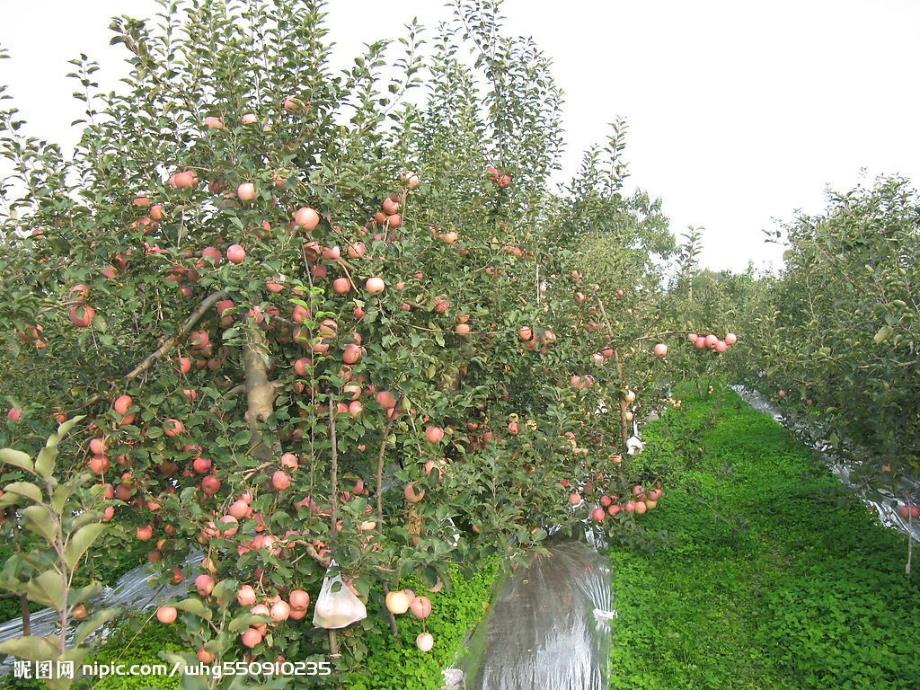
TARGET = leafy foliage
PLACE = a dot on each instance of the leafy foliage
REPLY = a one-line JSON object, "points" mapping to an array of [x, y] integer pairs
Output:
{"points": [[201, 279]]}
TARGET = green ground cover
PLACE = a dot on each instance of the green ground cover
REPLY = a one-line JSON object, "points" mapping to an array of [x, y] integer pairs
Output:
{"points": [[769, 575]]}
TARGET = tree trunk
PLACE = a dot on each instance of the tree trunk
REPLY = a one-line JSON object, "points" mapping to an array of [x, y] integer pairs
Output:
{"points": [[260, 392]]}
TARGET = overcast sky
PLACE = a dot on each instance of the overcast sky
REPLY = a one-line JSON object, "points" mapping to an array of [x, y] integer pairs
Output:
{"points": [[740, 112]]}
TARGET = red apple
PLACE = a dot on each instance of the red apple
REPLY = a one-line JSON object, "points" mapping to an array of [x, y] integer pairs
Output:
{"points": [[122, 404], [167, 614], [236, 254], [81, 315], [306, 218], [281, 480], [251, 637], [246, 595], [434, 434]]}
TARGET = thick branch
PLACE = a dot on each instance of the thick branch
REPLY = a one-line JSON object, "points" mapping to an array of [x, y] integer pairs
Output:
{"points": [[169, 343]]}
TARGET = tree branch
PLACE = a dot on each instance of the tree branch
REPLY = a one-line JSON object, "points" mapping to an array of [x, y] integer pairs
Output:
{"points": [[168, 343]]}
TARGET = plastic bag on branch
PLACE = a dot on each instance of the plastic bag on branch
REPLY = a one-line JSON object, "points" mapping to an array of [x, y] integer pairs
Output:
{"points": [[337, 606]]}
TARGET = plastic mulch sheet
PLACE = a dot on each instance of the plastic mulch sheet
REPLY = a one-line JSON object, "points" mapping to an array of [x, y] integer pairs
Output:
{"points": [[842, 460], [549, 627]]}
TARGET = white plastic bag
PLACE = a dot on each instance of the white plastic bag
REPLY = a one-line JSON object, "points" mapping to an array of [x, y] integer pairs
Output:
{"points": [[337, 609]]}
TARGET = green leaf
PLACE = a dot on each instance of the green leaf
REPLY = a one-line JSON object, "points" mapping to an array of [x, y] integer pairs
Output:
{"points": [[225, 591], [65, 427], [93, 623], [48, 587], [26, 489], [84, 593], [16, 458], [245, 620], [31, 648], [41, 521], [59, 498], [80, 542], [195, 607], [44, 464]]}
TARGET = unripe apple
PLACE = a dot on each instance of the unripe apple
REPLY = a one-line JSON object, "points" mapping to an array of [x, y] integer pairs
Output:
{"points": [[398, 602], [246, 192], [424, 641]]}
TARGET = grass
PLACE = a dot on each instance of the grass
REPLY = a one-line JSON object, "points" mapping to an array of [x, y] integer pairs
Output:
{"points": [[394, 663], [772, 576]]}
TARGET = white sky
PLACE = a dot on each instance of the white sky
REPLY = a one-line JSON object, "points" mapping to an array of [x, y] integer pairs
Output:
{"points": [[740, 111]]}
